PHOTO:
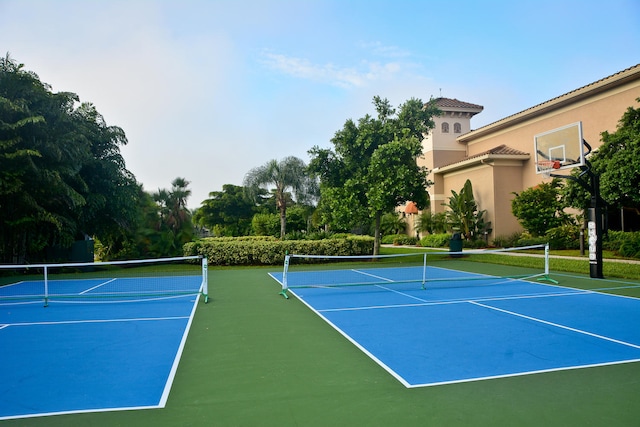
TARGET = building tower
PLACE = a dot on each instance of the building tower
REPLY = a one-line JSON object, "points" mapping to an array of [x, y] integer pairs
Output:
{"points": [[441, 147]]}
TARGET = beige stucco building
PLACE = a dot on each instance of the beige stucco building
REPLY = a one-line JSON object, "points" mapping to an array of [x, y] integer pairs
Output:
{"points": [[499, 158]]}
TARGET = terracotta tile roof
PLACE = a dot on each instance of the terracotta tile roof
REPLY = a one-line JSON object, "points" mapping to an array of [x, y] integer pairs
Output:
{"points": [[454, 103], [500, 150], [411, 208]]}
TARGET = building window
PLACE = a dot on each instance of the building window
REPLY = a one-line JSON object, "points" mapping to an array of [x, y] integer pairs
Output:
{"points": [[445, 127], [457, 128]]}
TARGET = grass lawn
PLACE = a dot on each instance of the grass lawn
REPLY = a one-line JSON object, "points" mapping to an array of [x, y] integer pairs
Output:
{"points": [[256, 359]]}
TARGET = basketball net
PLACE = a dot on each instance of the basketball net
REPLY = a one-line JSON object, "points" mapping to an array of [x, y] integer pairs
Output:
{"points": [[547, 166]]}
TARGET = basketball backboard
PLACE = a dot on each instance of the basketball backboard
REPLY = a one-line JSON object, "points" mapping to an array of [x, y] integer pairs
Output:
{"points": [[560, 148]]}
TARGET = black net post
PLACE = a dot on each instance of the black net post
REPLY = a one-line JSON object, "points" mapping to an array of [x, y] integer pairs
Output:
{"points": [[595, 230]]}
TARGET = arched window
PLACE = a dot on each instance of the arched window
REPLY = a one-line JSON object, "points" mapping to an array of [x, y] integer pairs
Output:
{"points": [[445, 127], [457, 128]]}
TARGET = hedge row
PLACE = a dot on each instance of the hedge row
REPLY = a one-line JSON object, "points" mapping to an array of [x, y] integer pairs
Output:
{"points": [[228, 251], [626, 244], [399, 239]]}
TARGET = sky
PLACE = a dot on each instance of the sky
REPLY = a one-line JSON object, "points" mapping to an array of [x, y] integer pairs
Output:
{"points": [[208, 90]]}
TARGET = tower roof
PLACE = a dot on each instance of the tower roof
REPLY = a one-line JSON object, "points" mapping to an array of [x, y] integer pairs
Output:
{"points": [[448, 104]]}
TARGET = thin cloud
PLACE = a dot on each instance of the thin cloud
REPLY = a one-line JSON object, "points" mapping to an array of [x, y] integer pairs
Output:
{"points": [[386, 51], [344, 77]]}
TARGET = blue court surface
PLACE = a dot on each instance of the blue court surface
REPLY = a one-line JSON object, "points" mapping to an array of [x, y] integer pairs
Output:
{"points": [[89, 355], [457, 331]]}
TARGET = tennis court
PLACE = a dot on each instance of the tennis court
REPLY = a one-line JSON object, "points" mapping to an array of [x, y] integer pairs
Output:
{"points": [[93, 344], [465, 326]]}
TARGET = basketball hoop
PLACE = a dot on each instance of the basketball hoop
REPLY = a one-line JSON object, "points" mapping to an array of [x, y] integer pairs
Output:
{"points": [[547, 166]]}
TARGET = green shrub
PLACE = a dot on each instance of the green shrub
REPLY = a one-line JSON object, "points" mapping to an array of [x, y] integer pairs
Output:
{"points": [[626, 244], [507, 241], [527, 240], [474, 244], [564, 237], [435, 240], [399, 240], [269, 251], [265, 224]]}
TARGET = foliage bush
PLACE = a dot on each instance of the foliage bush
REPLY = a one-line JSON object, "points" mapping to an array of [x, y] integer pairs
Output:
{"points": [[261, 251], [265, 224], [528, 240], [435, 240], [509, 241], [432, 223], [474, 244], [399, 240], [540, 208], [626, 244], [564, 237]]}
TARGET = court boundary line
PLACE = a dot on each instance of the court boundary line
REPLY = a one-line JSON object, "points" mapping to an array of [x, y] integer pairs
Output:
{"points": [[170, 377], [79, 322], [524, 373], [176, 361], [97, 286], [408, 385], [380, 363], [556, 325], [427, 303], [570, 291], [364, 273]]}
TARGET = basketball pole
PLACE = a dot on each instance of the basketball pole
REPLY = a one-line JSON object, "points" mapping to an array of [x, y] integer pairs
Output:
{"points": [[595, 225]]}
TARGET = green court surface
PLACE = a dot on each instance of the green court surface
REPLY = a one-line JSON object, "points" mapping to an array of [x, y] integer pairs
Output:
{"points": [[255, 359]]}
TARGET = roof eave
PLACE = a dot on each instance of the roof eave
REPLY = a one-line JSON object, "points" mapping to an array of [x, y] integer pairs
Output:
{"points": [[487, 158], [572, 97]]}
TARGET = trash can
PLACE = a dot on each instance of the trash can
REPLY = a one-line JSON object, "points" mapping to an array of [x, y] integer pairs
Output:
{"points": [[455, 245]]}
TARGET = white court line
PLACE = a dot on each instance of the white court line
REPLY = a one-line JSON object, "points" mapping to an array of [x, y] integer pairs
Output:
{"points": [[96, 287], [426, 303], [71, 322], [364, 273], [557, 325]]}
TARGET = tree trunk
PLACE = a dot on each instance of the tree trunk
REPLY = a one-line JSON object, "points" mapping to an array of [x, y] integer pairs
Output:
{"points": [[376, 239], [283, 221]]}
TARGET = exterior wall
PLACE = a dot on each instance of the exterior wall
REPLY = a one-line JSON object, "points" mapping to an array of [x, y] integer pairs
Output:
{"points": [[495, 178], [598, 106], [597, 114], [481, 179], [506, 181]]}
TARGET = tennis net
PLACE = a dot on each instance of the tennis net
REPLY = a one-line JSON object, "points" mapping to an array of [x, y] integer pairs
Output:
{"points": [[114, 281], [424, 269]]}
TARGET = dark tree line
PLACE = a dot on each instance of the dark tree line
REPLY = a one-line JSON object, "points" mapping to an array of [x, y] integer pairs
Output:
{"points": [[62, 178]]}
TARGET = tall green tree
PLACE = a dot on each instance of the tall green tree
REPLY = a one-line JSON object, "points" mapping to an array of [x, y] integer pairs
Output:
{"points": [[373, 165], [175, 225], [617, 161], [540, 208], [288, 174], [228, 212], [62, 176]]}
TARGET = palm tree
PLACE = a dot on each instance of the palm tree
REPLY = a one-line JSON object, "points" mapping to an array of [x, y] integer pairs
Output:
{"points": [[175, 219], [288, 174]]}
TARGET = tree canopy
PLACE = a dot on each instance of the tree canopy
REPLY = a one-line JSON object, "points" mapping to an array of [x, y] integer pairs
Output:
{"points": [[617, 162], [540, 208], [227, 212], [288, 174], [62, 176], [373, 165]]}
